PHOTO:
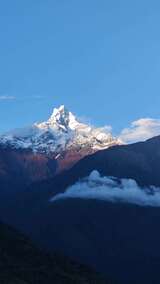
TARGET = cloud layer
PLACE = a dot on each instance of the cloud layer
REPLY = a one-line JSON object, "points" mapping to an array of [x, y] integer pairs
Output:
{"points": [[113, 190], [141, 130]]}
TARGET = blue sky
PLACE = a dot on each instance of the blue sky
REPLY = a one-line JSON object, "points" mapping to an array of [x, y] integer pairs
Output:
{"points": [[100, 58]]}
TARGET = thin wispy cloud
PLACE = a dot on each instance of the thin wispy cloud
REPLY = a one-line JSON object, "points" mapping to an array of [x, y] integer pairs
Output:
{"points": [[31, 98], [18, 98], [37, 97], [7, 98]]}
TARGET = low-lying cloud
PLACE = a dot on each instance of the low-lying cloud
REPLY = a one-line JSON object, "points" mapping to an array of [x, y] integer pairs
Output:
{"points": [[141, 130], [113, 190]]}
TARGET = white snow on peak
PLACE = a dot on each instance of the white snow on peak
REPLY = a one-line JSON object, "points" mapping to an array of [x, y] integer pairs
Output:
{"points": [[60, 132], [61, 119]]}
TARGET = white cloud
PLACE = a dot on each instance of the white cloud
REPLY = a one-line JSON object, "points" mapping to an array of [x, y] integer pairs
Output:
{"points": [[113, 190], [9, 98], [141, 130], [6, 98], [37, 97]]}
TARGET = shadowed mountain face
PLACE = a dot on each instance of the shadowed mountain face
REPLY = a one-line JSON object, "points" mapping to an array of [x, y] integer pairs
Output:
{"points": [[139, 161], [24, 167], [119, 240], [22, 263], [116, 239]]}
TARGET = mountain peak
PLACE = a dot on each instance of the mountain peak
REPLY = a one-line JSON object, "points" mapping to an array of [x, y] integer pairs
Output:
{"points": [[59, 113], [61, 110], [62, 118], [60, 132]]}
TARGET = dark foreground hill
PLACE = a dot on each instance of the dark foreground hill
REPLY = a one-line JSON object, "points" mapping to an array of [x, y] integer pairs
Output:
{"points": [[119, 240], [22, 263]]}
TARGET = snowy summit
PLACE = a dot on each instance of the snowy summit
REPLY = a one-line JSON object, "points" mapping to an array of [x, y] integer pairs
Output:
{"points": [[60, 132]]}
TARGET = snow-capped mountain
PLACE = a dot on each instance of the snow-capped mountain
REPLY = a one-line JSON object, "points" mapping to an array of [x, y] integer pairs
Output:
{"points": [[62, 131]]}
